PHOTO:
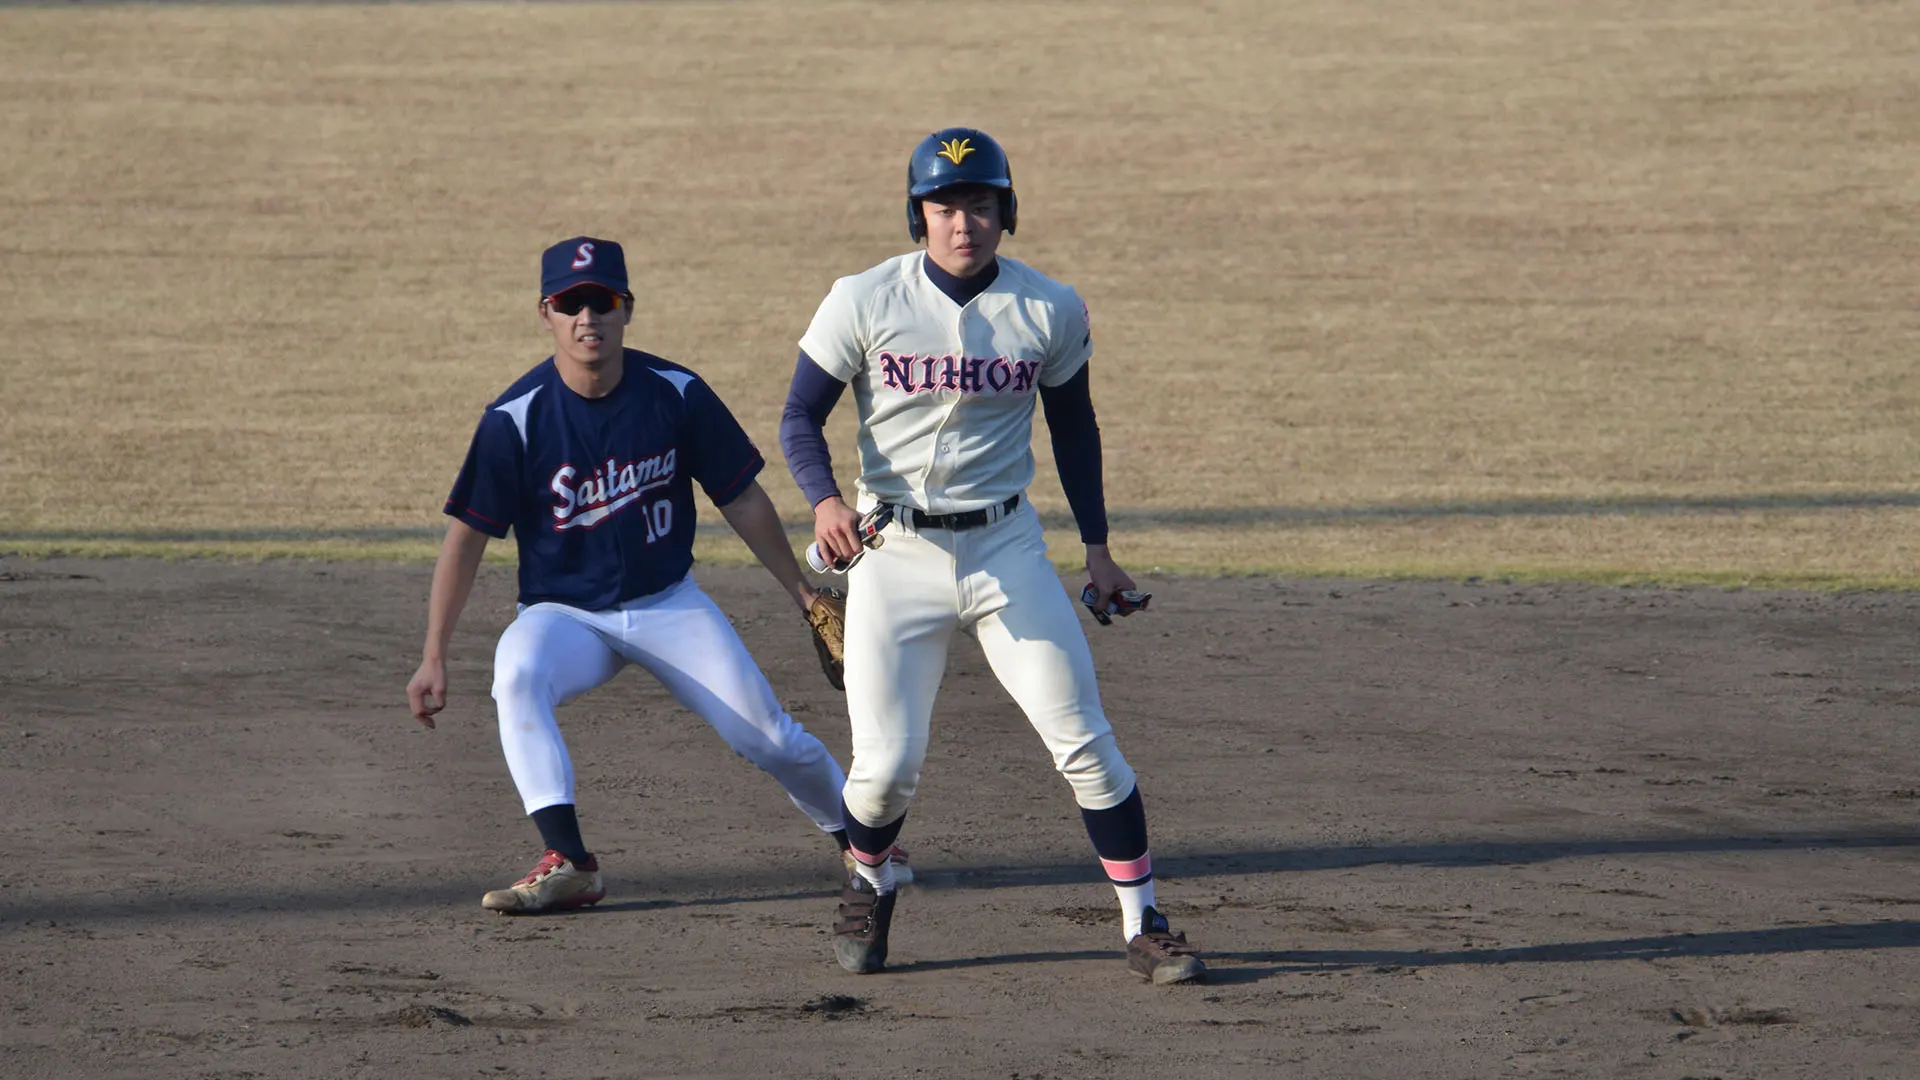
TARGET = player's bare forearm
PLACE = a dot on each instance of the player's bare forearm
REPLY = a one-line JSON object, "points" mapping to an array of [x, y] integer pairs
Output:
{"points": [[753, 516], [453, 575]]}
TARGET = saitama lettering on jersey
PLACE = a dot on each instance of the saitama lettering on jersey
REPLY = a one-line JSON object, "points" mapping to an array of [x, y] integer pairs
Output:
{"points": [[600, 490]]}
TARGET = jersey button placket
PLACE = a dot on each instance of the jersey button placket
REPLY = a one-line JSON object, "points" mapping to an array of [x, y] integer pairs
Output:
{"points": [[942, 459]]}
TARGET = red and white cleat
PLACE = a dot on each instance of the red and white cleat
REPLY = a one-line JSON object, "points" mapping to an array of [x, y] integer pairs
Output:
{"points": [[556, 884]]}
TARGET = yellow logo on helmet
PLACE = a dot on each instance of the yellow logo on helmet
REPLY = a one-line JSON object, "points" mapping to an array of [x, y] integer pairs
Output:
{"points": [[955, 150]]}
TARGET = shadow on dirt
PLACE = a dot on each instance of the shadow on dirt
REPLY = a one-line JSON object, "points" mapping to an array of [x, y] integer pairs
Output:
{"points": [[1464, 853], [1784, 939], [1112, 955], [664, 891]]}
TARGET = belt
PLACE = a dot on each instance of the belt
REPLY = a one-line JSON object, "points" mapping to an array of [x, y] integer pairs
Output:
{"points": [[965, 519]]}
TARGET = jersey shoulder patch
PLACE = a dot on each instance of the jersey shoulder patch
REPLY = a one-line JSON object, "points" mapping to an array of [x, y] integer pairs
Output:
{"points": [[517, 400], [517, 410], [679, 379], [677, 376]]}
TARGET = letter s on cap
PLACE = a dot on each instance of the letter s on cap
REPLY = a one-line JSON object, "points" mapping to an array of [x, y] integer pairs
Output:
{"points": [[583, 256]]}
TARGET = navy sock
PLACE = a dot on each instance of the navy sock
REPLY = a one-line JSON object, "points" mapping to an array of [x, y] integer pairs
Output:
{"points": [[870, 839], [1119, 835], [560, 829]]}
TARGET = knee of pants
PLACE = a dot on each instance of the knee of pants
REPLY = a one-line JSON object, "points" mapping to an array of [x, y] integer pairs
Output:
{"points": [[777, 744], [521, 680], [1100, 776], [880, 785]]}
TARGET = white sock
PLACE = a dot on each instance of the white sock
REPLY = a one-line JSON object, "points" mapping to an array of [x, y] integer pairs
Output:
{"points": [[1134, 902], [881, 877]]}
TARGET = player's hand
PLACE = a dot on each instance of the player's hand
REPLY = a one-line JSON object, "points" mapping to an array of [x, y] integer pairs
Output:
{"points": [[836, 528], [1106, 575], [427, 691]]}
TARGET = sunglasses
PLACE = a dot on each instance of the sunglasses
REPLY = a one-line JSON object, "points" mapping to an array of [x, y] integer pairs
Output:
{"points": [[599, 298]]}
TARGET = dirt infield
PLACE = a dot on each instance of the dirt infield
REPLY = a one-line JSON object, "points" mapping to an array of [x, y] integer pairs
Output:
{"points": [[1429, 829]]}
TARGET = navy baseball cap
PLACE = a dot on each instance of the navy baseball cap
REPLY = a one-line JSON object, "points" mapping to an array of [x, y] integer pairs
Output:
{"points": [[583, 260]]}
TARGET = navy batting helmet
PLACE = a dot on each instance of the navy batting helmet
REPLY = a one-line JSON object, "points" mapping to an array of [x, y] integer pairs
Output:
{"points": [[953, 156]]}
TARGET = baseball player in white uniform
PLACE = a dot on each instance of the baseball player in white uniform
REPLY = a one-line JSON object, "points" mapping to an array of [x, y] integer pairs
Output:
{"points": [[946, 349], [591, 459]]}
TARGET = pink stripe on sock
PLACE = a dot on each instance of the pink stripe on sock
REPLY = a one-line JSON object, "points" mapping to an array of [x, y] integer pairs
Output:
{"points": [[868, 858], [1131, 870]]}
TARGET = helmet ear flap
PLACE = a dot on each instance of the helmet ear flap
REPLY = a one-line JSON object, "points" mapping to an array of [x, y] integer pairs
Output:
{"points": [[1009, 209]]}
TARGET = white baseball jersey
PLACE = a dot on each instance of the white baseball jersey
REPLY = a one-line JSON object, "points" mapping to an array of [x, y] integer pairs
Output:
{"points": [[946, 392]]}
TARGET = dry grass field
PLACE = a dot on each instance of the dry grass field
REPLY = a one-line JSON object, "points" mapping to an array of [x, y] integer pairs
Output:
{"points": [[1620, 289]]}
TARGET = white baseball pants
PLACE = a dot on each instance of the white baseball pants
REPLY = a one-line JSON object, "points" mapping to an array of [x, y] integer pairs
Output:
{"points": [[553, 653], [906, 598]]}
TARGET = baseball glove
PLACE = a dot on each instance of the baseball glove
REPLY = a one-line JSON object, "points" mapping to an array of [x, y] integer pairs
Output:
{"points": [[828, 619]]}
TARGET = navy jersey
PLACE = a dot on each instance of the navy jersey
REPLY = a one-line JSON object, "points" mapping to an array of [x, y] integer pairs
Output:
{"points": [[599, 491]]}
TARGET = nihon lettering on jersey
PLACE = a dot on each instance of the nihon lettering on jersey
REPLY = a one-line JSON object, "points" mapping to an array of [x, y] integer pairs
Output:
{"points": [[612, 486], [915, 374]]}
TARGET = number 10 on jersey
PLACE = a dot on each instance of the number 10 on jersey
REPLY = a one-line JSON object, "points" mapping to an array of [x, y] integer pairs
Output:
{"points": [[659, 519]]}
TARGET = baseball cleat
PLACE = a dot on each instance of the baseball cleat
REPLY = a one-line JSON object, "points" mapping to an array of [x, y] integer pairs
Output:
{"points": [[902, 870], [556, 884], [860, 931], [1162, 957]]}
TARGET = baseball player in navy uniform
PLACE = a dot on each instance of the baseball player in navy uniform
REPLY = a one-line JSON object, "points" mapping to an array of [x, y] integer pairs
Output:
{"points": [[946, 349], [591, 460]]}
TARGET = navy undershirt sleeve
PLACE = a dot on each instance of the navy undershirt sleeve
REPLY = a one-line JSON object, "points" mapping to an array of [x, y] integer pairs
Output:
{"points": [[1076, 450], [811, 397]]}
